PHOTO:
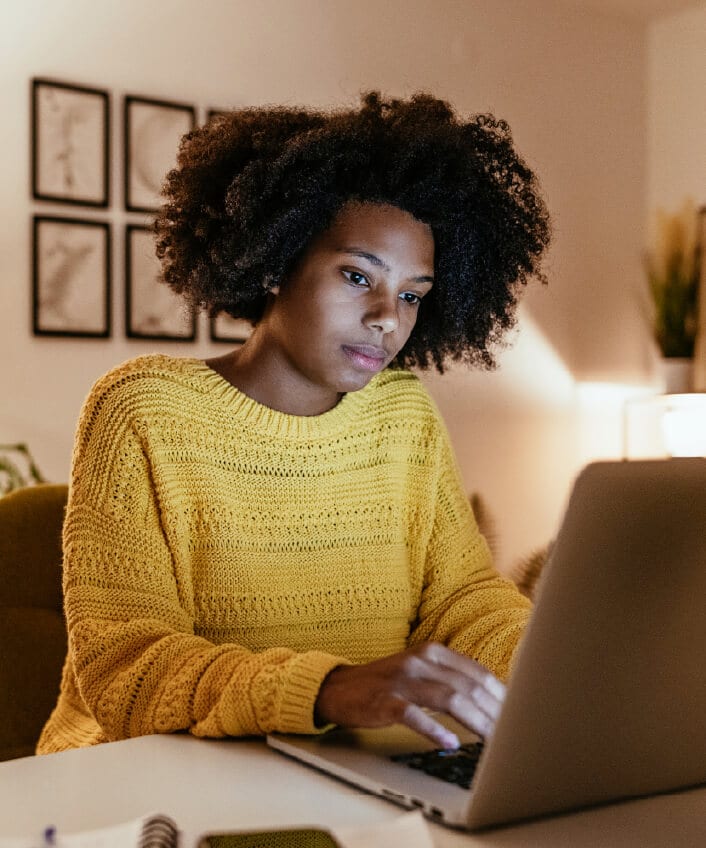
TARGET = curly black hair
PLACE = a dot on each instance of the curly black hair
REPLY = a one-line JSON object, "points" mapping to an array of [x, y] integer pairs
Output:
{"points": [[253, 187]]}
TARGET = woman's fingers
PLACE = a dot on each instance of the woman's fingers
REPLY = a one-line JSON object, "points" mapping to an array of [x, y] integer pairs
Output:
{"points": [[450, 683], [486, 702], [417, 719], [441, 699], [468, 677]]}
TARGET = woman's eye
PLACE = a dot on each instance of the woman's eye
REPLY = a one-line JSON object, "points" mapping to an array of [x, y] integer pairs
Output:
{"points": [[411, 298], [356, 278]]}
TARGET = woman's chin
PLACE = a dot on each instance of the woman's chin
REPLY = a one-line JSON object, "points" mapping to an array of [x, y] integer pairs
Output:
{"points": [[355, 381]]}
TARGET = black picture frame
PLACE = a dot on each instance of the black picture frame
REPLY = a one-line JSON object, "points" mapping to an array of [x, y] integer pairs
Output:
{"points": [[70, 138], [152, 130], [69, 256], [152, 310], [223, 328]]}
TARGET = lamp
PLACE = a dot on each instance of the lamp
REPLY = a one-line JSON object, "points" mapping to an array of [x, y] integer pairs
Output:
{"points": [[665, 425], [684, 424]]}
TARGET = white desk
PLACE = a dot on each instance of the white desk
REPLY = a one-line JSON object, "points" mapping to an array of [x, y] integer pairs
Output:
{"points": [[214, 785]]}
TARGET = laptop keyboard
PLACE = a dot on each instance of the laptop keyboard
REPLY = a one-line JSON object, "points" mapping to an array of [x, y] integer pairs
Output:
{"points": [[454, 766]]}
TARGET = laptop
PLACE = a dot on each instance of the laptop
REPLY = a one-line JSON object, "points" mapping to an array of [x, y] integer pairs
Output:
{"points": [[607, 698]]}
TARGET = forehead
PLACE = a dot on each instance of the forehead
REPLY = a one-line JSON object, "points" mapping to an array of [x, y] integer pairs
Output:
{"points": [[382, 228]]}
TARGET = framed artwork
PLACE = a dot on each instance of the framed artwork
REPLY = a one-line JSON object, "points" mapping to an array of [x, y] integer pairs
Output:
{"points": [[70, 143], [71, 281], [223, 328], [152, 131], [152, 309]]}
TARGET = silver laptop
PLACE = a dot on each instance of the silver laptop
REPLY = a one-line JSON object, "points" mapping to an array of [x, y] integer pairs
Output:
{"points": [[607, 699]]}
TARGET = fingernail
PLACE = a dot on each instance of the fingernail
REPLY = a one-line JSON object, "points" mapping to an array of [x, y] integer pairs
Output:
{"points": [[450, 741]]}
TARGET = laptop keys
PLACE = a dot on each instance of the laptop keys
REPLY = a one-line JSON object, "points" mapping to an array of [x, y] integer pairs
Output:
{"points": [[454, 766]]}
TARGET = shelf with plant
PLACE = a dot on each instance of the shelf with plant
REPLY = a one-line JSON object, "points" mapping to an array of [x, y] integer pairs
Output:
{"points": [[673, 281]]}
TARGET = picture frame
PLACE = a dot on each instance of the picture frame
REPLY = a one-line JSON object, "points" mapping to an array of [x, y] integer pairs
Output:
{"points": [[224, 328], [152, 130], [70, 137], [71, 277], [152, 309]]}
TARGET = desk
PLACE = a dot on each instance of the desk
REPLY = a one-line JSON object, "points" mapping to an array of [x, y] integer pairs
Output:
{"points": [[231, 784]]}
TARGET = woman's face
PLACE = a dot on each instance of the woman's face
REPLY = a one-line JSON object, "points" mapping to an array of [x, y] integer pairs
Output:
{"points": [[350, 304]]}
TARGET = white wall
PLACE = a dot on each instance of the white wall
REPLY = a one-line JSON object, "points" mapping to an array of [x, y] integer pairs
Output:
{"points": [[572, 86], [677, 109]]}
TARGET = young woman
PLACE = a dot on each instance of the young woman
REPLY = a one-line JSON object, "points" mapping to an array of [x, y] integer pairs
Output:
{"points": [[277, 539]]}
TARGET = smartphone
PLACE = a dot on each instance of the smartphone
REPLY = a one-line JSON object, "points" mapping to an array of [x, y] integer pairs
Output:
{"points": [[293, 838]]}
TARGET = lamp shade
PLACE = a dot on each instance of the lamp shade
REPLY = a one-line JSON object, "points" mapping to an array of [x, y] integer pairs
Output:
{"points": [[684, 424], [665, 425]]}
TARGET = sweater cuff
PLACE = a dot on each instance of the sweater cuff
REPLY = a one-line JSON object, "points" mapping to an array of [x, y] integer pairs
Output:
{"points": [[305, 675]]}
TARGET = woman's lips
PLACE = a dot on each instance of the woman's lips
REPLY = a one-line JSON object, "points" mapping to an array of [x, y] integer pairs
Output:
{"points": [[367, 357]]}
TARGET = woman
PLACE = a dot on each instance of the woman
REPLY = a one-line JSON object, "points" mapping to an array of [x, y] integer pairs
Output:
{"points": [[277, 539]]}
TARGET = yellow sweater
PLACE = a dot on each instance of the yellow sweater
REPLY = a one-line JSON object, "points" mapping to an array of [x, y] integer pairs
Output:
{"points": [[220, 558]]}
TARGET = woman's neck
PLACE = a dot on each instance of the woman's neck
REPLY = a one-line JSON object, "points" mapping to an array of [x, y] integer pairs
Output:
{"points": [[261, 371]]}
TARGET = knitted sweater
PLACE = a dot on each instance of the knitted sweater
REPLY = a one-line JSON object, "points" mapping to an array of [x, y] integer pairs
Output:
{"points": [[220, 557]]}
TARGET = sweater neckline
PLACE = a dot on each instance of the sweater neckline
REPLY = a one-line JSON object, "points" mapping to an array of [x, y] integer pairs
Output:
{"points": [[262, 417]]}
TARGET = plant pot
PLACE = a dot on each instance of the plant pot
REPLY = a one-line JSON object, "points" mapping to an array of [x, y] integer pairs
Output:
{"points": [[676, 374]]}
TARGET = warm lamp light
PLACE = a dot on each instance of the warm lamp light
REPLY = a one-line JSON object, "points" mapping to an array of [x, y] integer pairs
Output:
{"points": [[665, 425], [604, 430], [684, 424]]}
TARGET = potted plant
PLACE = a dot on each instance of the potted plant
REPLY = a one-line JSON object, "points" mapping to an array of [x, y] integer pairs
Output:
{"points": [[673, 278], [17, 468]]}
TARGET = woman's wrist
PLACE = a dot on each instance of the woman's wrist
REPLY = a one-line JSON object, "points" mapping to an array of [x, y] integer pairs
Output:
{"points": [[321, 704]]}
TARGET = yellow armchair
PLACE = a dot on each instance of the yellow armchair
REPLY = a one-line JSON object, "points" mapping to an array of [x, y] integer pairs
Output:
{"points": [[32, 629]]}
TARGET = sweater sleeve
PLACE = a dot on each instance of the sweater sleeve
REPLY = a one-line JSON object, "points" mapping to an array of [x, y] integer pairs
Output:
{"points": [[138, 665], [466, 604]]}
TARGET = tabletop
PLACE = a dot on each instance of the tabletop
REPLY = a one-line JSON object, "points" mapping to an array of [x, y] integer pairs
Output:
{"points": [[212, 785]]}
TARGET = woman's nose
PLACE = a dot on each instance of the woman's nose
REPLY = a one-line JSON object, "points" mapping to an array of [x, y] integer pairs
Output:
{"points": [[382, 313]]}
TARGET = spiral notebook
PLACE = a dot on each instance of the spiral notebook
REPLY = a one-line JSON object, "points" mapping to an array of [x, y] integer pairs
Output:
{"points": [[160, 831], [150, 831]]}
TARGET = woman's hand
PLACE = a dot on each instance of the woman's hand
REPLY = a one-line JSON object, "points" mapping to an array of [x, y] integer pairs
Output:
{"points": [[399, 689]]}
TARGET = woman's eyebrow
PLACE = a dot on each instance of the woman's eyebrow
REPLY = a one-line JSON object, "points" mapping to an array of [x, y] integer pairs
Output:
{"points": [[375, 260], [371, 257]]}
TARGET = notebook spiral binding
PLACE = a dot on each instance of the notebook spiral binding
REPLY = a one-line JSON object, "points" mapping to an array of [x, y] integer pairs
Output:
{"points": [[159, 832]]}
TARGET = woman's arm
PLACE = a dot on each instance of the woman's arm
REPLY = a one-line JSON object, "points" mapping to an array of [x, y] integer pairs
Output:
{"points": [[466, 605], [469, 623], [130, 614]]}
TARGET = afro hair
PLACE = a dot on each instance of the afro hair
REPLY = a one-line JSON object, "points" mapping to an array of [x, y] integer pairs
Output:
{"points": [[253, 187]]}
